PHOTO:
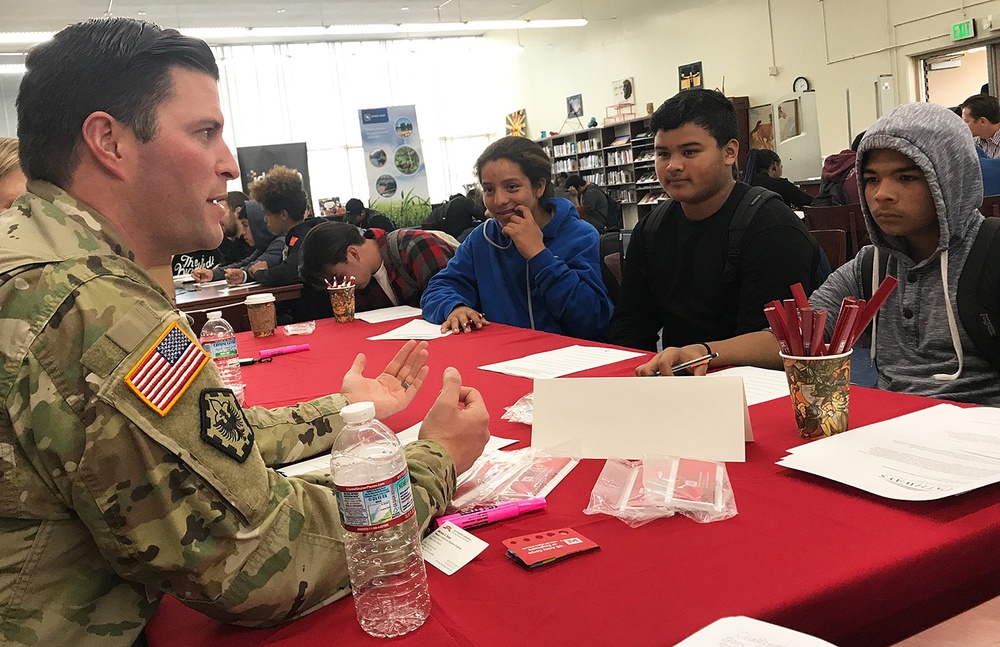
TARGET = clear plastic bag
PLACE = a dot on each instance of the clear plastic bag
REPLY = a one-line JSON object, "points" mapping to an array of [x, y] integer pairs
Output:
{"points": [[302, 328], [697, 489], [501, 476], [660, 486], [521, 411]]}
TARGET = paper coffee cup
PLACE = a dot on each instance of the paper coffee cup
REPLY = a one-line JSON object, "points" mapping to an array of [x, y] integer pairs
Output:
{"points": [[260, 310]]}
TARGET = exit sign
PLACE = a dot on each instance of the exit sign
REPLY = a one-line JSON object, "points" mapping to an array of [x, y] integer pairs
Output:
{"points": [[963, 30]]}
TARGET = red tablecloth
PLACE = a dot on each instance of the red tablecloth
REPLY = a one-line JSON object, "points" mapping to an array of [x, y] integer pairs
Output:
{"points": [[803, 552]]}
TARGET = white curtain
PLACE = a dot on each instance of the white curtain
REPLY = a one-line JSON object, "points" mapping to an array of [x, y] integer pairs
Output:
{"points": [[312, 92]]}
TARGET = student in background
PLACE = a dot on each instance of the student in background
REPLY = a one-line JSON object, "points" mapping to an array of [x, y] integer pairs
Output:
{"points": [[361, 216], [12, 180], [267, 247], [389, 269], [768, 175], [674, 277], [533, 264], [281, 194], [981, 113], [839, 185], [921, 193], [590, 200]]}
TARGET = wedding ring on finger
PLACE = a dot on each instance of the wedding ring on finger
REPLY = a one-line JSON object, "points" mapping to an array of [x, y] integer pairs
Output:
{"points": [[405, 384]]}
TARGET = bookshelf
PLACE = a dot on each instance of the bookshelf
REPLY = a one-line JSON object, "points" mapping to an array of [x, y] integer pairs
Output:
{"points": [[619, 159]]}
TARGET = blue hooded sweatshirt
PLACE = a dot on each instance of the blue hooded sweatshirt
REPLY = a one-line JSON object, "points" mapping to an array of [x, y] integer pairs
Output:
{"points": [[488, 274]]}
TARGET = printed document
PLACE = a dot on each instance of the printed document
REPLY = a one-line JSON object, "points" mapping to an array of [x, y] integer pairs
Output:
{"points": [[760, 384], [388, 314], [922, 456], [740, 631], [416, 329], [556, 363]]}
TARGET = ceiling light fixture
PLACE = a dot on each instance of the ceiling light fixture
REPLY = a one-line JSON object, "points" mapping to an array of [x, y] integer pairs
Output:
{"points": [[257, 34]]}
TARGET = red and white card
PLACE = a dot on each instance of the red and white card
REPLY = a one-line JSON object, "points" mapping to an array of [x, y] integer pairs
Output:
{"points": [[540, 548]]}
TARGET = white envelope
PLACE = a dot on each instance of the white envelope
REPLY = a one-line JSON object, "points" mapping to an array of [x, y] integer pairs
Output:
{"points": [[625, 417]]}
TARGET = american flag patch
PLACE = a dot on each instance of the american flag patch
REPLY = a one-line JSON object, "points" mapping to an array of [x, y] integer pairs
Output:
{"points": [[166, 369]]}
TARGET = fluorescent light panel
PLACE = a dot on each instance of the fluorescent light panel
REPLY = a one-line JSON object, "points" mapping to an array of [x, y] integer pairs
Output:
{"points": [[216, 34]]}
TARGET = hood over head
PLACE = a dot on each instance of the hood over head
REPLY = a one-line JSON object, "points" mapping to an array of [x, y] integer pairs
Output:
{"points": [[938, 141], [837, 164], [262, 236]]}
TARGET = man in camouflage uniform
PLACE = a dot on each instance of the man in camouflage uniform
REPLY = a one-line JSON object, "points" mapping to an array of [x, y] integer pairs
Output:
{"points": [[115, 489]]}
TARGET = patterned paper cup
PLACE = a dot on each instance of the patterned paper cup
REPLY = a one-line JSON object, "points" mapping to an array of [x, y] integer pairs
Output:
{"points": [[342, 301], [821, 393], [260, 310]]}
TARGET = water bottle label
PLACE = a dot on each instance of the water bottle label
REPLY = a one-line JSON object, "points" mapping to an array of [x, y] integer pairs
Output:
{"points": [[222, 348], [375, 506]]}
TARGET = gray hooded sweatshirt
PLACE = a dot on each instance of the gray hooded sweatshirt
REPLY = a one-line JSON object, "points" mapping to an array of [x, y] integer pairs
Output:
{"points": [[919, 343]]}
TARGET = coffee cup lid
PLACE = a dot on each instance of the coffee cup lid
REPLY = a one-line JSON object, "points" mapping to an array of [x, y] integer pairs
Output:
{"points": [[257, 299]]}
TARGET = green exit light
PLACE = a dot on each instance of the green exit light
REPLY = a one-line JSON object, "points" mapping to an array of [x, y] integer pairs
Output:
{"points": [[963, 30]]}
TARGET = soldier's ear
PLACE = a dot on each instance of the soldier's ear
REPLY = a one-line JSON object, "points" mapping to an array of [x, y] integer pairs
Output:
{"points": [[107, 142]]}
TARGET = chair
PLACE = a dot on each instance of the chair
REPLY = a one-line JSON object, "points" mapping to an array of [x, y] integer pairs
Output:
{"points": [[991, 206], [834, 244], [846, 217]]}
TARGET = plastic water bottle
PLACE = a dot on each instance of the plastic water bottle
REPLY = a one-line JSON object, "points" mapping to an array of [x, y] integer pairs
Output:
{"points": [[381, 536], [219, 341]]}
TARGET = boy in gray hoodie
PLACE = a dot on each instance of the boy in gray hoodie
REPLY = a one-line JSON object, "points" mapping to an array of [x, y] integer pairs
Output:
{"points": [[920, 191]]}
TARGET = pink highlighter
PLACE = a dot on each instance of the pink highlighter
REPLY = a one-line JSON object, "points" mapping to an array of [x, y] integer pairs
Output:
{"points": [[491, 513], [282, 350]]}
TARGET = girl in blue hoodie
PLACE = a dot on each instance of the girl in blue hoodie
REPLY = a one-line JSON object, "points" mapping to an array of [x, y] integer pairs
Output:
{"points": [[533, 264]]}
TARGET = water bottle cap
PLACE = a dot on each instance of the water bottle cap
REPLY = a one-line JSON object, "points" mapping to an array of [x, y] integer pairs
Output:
{"points": [[358, 412], [215, 314]]}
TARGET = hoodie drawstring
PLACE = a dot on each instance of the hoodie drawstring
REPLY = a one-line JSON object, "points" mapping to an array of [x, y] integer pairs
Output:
{"points": [[956, 342], [875, 272]]}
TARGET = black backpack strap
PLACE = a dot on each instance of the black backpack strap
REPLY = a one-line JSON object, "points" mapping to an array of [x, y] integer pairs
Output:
{"points": [[755, 198], [979, 292], [650, 224]]}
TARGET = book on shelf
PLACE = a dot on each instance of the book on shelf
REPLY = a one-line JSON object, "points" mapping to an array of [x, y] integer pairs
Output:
{"points": [[619, 141]]}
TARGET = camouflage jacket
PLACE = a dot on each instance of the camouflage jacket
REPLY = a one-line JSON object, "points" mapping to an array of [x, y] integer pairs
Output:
{"points": [[105, 504]]}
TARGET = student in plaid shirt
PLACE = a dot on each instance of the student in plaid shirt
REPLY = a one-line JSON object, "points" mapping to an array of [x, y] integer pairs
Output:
{"points": [[389, 269]]}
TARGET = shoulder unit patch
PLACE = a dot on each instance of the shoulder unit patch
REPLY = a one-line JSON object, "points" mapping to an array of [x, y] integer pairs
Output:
{"points": [[224, 425]]}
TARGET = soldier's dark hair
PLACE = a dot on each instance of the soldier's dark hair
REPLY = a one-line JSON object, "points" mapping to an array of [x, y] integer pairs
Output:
{"points": [[116, 65], [533, 161], [709, 109], [280, 189], [326, 244], [983, 105]]}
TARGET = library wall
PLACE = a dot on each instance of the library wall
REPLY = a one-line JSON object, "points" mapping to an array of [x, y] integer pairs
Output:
{"points": [[841, 46]]}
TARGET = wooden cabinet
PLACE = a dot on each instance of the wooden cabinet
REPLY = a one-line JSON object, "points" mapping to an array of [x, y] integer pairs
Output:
{"points": [[619, 159]]}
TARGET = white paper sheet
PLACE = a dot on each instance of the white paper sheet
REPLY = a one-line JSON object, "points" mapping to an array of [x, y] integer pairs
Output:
{"points": [[922, 456], [740, 631], [626, 417], [416, 329], [449, 548], [760, 384], [388, 314], [556, 363], [321, 463]]}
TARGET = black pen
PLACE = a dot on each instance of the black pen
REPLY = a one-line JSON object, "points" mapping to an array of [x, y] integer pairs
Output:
{"points": [[691, 363]]}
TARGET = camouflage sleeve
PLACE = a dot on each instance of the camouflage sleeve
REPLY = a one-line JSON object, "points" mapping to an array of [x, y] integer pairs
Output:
{"points": [[289, 434], [183, 502]]}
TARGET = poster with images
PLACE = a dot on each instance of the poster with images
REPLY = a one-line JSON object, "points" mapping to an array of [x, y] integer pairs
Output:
{"points": [[394, 163], [690, 76], [788, 119], [761, 128], [574, 106], [517, 123], [622, 92]]}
